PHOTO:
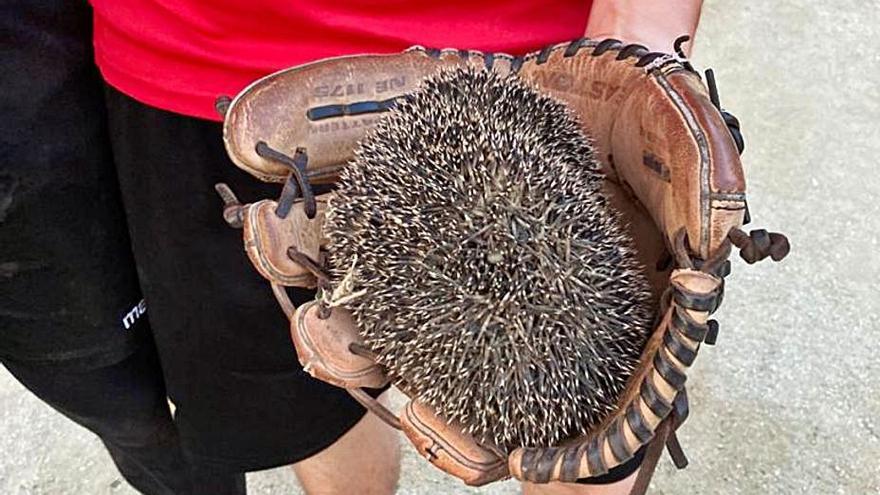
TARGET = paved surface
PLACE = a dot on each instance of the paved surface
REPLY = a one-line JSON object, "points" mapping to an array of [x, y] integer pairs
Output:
{"points": [[788, 401]]}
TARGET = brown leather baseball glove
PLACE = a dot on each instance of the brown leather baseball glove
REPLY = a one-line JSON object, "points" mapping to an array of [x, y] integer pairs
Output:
{"points": [[671, 158]]}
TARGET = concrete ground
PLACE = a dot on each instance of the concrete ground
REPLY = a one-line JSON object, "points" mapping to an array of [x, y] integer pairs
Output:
{"points": [[788, 401]]}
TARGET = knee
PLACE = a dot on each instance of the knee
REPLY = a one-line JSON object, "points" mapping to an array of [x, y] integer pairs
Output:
{"points": [[366, 460]]}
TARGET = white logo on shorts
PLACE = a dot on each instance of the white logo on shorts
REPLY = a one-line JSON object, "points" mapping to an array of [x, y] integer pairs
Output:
{"points": [[135, 313]]}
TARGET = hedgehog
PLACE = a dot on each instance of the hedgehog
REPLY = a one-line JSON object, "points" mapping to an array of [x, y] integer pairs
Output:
{"points": [[486, 268]]}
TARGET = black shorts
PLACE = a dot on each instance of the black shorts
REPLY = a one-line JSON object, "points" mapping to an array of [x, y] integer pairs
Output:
{"points": [[110, 231], [69, 291], [230, 368]]}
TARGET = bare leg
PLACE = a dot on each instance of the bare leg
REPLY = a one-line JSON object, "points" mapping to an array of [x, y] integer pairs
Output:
{"points": [[622, 487], [366, 460]]}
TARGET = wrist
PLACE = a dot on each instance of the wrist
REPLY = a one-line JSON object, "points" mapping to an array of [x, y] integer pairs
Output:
{"points": [[655, 24], [655, 42]]}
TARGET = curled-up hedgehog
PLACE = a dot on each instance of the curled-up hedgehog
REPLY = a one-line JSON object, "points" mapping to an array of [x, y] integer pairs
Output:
{"points": [[494, 281]]}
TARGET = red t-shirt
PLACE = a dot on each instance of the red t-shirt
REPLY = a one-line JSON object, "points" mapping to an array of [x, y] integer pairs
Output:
{"points": [[179, 55]]}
